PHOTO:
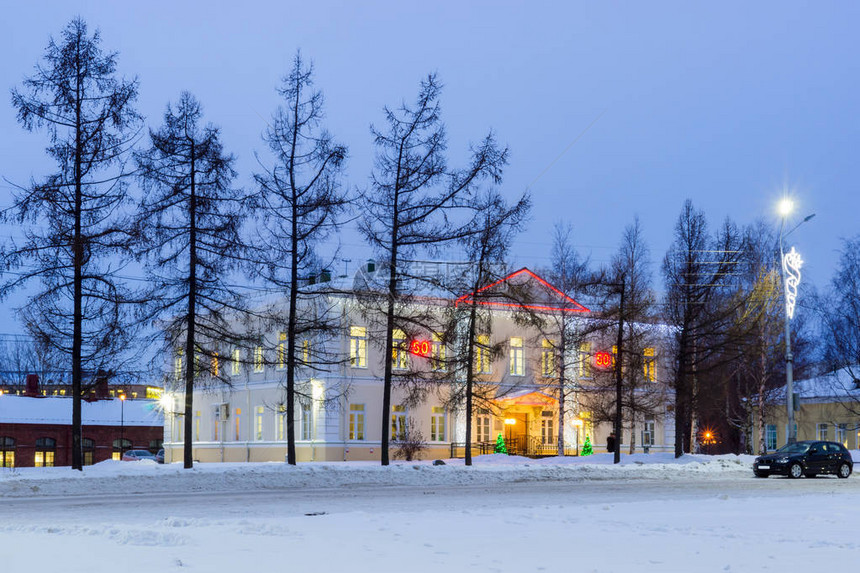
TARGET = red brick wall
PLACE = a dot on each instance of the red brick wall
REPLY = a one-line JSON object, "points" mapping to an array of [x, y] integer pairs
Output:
{"points": [[25, 436]]}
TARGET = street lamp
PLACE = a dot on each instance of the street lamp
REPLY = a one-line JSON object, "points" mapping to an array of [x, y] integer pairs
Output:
{"points": [[790, 264]]}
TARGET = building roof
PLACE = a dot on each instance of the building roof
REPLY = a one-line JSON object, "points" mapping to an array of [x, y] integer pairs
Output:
{"points": [[841, 384], [58, 410]]}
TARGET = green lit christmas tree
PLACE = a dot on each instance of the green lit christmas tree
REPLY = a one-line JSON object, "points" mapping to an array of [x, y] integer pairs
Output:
{"points": [[500, 445], [587, 450]]}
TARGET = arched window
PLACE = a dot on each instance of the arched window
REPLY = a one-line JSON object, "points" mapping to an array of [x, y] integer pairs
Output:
{"points": [[45, 450], [89, 447], [7, 452], [119, 447]]}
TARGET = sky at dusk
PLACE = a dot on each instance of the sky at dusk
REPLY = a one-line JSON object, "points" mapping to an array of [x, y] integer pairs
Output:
{"points": [[730, 104]]}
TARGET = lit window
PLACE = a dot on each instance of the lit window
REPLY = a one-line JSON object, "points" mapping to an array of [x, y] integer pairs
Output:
{"points": [[648, 433], [7, 452], [437, 424], [438, 354], [398, 422], [585, 360], [358, 346], [237, 424], [88, 445], [547, 433], [214, 366], [152, 393], [517, 366], [235, 362], [282, 350], [45, 449], [482, 354], [547, 359], [306, 351], [842, 434], [258, 359], [399, 352], [258, 423], [356, 421], [649, 365], [177, 365], [307, 422], [119, 448], [281, 416]]}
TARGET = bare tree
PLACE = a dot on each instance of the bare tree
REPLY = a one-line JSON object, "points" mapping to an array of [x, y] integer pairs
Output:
{"points": [[191, 217], [301, 198], [699, 270], [494, 225], [73, 221], [412, 203]]}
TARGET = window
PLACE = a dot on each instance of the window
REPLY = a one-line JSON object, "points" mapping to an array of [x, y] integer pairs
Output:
{"points": [[45, 449], [177, 365], [438, 354], [649, 365], [398, 422], [482, 354], [842, 434], [547, 434], [770, 437], [306, 422], [483, 426], [821, 431], [281, 415], [585, 360], [258, 423], [356, 421], [152, 393], [547, 359], [517, 366], [214, 366], [120, 447], [89, 447], [235, 362], [258, 359], [399, 351], [282, 350], [216, 421], [237, 424], [306, 351], [437, 424], [358, 347], [196, 427], [7, 452], [648, 433]]}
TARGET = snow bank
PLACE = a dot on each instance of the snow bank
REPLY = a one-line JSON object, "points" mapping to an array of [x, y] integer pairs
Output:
{"points": [[149, 477]]}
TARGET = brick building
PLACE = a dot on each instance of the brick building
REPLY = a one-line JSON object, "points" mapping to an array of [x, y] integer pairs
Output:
{"points": [[37, 431]]}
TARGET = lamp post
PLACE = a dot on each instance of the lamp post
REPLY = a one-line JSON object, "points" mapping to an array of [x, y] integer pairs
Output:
{"points": [[790, 265]]}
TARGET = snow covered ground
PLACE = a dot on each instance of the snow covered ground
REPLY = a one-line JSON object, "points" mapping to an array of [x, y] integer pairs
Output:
{"points": [[651, 513]]}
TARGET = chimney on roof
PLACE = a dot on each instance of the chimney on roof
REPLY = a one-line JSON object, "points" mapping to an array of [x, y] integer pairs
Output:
{"points": [[31, 385]]}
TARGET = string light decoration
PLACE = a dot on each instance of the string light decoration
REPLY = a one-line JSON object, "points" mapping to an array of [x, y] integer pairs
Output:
{"points": [[791, 263]]}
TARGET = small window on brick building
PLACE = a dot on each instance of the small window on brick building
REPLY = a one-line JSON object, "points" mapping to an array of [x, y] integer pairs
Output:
{"points": [[45, 450], [119, 447], [89, 447], [7, 452]]}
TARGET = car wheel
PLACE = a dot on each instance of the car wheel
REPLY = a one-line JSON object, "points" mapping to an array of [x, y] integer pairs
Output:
{"points": [[844, 470], [795, 471], [759, 474]]}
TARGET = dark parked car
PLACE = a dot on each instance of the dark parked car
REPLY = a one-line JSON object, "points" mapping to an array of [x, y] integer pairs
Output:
{"points": [[805, 458]]}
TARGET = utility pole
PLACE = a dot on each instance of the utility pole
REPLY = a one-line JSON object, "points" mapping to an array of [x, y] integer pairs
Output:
{"points": [[618, 376]]}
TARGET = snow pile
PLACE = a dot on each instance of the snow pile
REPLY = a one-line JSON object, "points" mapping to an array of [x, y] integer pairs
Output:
{"points": [[149, 477]]}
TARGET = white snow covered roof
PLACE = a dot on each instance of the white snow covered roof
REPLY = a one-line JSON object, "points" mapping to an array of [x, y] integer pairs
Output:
{"points": [[58, 410]]}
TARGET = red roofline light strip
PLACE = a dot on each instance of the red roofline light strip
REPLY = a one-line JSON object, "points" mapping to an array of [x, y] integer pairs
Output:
{"points": [[467, 297]]}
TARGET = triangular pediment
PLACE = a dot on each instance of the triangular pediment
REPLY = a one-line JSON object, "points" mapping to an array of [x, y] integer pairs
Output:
{"points": [[522, 289]]}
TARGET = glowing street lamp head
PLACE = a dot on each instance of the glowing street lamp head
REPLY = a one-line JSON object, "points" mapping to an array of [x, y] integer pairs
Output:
{"points": [[785, 207]]}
